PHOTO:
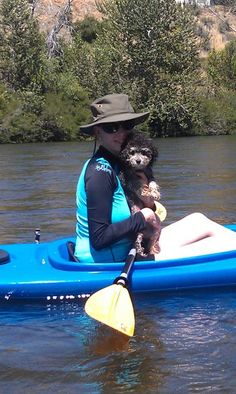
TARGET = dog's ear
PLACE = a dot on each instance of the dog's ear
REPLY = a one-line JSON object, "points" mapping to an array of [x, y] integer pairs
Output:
{"points": [[153, 147]]}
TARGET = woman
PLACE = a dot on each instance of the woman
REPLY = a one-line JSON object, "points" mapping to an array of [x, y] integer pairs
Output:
{"points": [[105, 227]]}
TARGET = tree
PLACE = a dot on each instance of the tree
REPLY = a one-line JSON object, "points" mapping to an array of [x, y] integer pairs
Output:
{"points": [[65, 109], [55, 116], [219, 101], [88, 28], [154, 46], [22, 46], [94, 64], [222, 66]]}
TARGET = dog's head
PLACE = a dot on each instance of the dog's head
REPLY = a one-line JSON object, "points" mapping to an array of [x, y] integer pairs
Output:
{"points": [[138, 151]]}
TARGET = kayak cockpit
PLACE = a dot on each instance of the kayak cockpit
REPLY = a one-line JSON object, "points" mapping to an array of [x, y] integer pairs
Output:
{"points": [[59, 256]]}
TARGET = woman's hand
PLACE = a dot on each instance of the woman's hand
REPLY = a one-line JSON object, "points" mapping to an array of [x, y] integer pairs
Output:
{"points": [[148, 214], [153, 223]]}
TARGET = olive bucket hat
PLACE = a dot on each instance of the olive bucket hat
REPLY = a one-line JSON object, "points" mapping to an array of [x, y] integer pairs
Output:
{"points": [[112, 108]]}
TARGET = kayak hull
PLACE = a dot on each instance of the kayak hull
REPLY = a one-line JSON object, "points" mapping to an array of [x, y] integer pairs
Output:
{"points": [[44, 272]]}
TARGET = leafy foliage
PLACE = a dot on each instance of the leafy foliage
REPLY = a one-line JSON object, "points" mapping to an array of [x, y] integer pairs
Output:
{"points": [[219, 113], [95, 65], [21, 45], [156, 58], [222, 66], [218, 105], [146, 48], [65, 108], [88, 28], [55, 116], [44, 103]]}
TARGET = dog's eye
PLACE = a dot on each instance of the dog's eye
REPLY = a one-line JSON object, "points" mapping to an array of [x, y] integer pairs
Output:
{"points": [[132, 151], [144, 151]]}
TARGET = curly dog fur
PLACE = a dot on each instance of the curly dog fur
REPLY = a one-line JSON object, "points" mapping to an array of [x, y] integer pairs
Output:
{"points": [[137, 157]]}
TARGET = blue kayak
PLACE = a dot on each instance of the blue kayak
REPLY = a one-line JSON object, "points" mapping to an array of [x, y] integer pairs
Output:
{"points": [[44, 271]]}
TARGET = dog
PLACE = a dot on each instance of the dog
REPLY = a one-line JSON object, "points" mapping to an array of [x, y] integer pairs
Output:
{"points": [[137, 156]]}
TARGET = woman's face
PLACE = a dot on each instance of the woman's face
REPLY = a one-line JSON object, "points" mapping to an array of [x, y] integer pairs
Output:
{"points": [[112, 141]]}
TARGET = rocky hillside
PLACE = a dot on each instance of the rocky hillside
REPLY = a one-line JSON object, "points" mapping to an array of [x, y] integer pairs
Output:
{"points": [[216, 24], [47, 11]]}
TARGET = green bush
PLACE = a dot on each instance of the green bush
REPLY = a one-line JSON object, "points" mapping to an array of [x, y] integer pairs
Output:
{"points": [[62, 116], [54, 116], [22, 45], [88, 28], [222, 66], [219, 113], [23, 128]]}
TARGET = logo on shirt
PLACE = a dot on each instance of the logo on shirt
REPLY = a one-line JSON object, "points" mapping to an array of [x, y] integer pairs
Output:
{"points": [[103, 167]]}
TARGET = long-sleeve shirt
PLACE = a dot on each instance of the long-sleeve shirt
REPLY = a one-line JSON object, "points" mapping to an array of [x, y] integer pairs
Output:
{"points": [[105, 227]]}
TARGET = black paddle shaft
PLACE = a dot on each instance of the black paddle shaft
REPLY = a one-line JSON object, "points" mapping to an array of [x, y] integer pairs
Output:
{"points": [[122, 279]]}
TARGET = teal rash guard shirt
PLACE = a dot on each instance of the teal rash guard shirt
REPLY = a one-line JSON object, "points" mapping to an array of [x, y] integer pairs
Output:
{"points": [[105, 227]]}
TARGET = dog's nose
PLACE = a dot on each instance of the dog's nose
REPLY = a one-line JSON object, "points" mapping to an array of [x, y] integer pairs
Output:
{"points": [[138, 161]]}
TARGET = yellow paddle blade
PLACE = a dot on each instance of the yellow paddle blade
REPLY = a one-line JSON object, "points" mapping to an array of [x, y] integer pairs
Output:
{"points": [[113, 307], [160, 211]]}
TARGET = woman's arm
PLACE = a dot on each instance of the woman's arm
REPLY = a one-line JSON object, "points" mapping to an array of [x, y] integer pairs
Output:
{"points": [[100, 187]]}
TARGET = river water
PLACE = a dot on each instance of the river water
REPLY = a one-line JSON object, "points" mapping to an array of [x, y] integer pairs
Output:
{"points": [[184, 342]]}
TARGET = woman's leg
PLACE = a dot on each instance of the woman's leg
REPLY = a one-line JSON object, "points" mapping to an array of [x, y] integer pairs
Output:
{"points": [[193, 235]]}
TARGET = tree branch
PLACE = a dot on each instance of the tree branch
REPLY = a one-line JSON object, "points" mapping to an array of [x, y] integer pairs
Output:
{"points": [[63, 20], [33, 4]]}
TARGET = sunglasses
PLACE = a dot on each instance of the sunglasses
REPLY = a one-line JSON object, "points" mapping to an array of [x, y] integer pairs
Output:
{"points": [[111, 128]]}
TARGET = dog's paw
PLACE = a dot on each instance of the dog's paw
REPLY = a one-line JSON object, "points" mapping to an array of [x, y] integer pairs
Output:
{"points": [[154, 190]]}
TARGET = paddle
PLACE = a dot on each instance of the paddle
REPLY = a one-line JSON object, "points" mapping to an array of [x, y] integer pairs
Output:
{"points": [[112, 305]]}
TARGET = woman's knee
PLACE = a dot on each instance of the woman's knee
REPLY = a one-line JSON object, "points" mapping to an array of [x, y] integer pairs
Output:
{"points": [[197, 217]]}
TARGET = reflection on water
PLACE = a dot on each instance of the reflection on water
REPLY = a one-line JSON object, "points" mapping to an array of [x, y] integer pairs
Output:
{"points": [[183, 343]]}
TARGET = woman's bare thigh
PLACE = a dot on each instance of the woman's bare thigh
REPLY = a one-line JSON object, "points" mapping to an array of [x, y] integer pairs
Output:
{"points": [[190, 229]]}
